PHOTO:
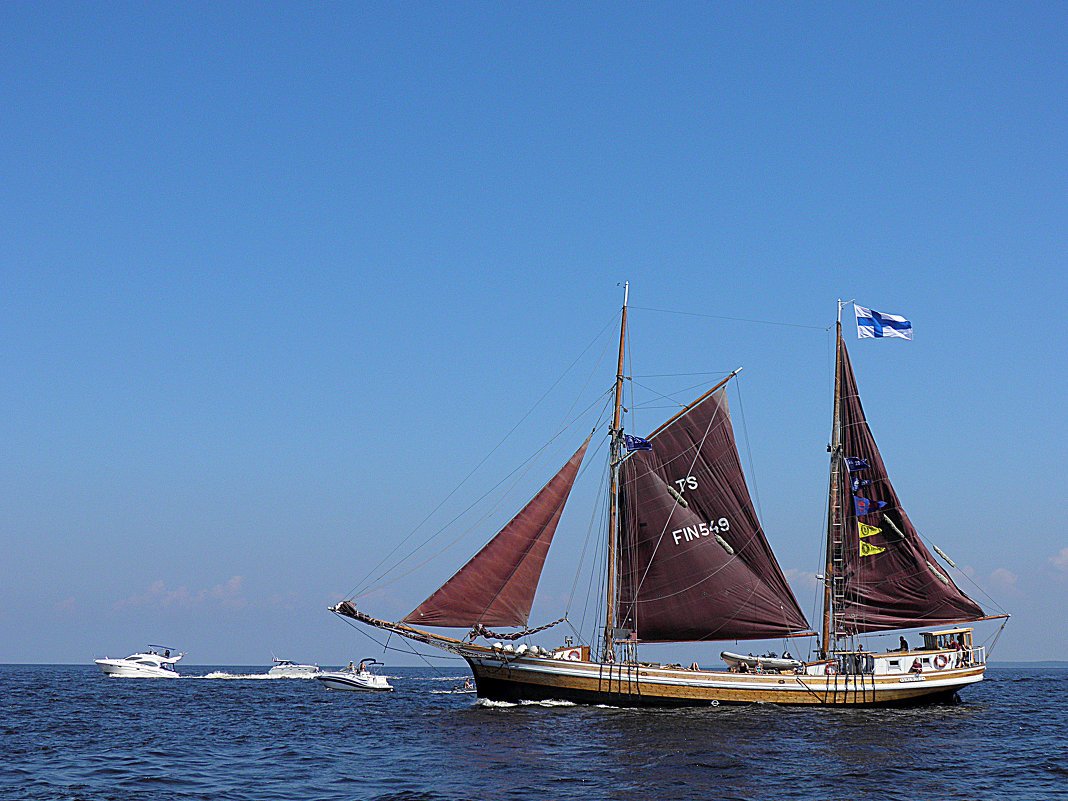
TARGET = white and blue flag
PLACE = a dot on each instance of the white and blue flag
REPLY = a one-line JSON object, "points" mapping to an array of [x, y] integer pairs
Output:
{"points": [[876, 324]]}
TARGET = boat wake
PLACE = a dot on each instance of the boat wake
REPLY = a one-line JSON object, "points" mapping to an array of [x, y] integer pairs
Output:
{"points": [[222, 674], [488, 704]]}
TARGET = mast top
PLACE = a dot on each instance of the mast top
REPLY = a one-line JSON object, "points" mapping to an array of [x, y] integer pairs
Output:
{"points": [[842, 303]]}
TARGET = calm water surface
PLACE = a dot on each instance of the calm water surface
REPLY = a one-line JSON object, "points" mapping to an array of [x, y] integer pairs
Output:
{"points": [[69, 732]]}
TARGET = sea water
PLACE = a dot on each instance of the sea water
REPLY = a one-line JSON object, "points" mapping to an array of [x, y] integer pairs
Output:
{"points": [[69, 732]]}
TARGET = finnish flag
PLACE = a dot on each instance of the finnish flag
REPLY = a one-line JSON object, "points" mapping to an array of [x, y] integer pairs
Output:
{"points": [[876, 324]]}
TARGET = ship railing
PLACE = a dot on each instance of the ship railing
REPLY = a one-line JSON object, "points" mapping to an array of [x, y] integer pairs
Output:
{"points": [[853, 664], [968, 656]]}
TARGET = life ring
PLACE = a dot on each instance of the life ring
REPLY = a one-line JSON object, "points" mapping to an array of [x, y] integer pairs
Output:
{"points": [[940, 661], [830, 669], [573, 656]]}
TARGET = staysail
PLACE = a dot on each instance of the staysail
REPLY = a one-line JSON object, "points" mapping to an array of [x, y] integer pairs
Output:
{"points": [[694, 562], [496, 587], [890, 580]]}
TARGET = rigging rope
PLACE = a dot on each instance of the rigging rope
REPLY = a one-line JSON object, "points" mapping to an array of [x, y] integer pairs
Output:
{"points": [[585, 546], [735, 319], [478, 630], [518, 473], [361, 586], [748, 448], [408, 649]]}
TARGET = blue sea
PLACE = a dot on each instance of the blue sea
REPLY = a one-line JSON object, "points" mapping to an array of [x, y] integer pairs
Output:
{"points": [[69, 732]]}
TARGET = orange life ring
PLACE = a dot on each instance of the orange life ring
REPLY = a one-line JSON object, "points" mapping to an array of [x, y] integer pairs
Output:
{"points": [[940, 661], [830, 669]]}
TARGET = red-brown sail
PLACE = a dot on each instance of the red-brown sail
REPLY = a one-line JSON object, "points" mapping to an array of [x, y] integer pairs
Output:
{"points": [[496, 587], [694, 562], [890, 580]]}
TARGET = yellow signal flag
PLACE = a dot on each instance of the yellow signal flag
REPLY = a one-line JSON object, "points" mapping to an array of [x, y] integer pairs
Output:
{"points": [[867, 549], [867, 531]]}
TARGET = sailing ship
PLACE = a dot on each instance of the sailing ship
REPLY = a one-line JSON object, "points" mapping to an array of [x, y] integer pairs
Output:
{"points": [[688, 561]]}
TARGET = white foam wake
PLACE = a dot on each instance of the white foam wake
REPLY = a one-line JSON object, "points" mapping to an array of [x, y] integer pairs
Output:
{"points": [[485, 702]]}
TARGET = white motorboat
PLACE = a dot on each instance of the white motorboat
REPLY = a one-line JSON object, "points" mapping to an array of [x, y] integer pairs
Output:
{"points": [[155, 663], [767, 662], [288, 669], [363, 678]]}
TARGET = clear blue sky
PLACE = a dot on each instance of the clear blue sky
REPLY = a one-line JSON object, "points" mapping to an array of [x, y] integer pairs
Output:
{"points": [[276, 277]]}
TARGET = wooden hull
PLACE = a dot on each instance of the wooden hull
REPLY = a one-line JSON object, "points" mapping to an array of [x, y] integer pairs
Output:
{"points": [[504, 676], [542, 679]]}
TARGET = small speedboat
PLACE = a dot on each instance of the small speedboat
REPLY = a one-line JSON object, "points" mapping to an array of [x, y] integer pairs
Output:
{"points": [[288, 669], [363, 677], [150, 664], [784, 662]]}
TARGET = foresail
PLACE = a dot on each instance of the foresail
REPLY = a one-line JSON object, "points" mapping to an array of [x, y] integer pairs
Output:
{"points": [[890, 580], [694, 562], [496, 587]]}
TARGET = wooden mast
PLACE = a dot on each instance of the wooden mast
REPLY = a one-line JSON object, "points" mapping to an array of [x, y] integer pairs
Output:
{"points": [[834, 522], [613, 512]]}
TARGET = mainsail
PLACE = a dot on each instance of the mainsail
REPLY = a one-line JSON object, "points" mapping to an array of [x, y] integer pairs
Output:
{"points": [[496, 587], [694, 562], [890, 580]]}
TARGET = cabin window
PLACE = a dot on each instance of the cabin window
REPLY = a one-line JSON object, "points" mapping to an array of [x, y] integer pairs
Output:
{"points": [[895, 663]]}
